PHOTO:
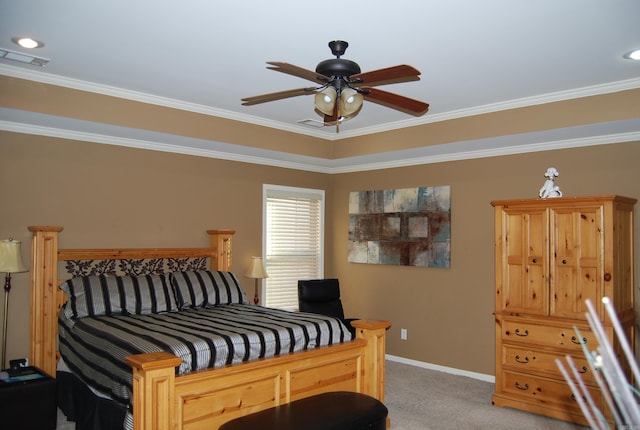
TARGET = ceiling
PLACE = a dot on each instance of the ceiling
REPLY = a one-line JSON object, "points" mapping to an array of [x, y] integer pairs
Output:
{"points": [[475, 56]]}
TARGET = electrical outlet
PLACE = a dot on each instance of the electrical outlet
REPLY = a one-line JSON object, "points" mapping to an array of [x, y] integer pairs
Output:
{"points": [[403, 334]]}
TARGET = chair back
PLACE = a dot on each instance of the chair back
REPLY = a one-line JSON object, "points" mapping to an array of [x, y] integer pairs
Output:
{"points": [[320, 296]]}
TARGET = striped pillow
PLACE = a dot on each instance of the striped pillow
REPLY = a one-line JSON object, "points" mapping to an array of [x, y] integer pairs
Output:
{"points": [[207, 287], [118, 295]]}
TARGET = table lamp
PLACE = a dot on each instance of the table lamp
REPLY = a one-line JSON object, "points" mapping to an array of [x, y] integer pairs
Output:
{"points": [[256, 271], [10, 262]]}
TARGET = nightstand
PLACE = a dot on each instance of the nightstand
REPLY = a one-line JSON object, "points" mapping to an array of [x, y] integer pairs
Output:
{"points": [[28, 400]]}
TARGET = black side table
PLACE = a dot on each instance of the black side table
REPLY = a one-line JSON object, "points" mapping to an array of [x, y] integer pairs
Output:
{"points": [[28, 400]]}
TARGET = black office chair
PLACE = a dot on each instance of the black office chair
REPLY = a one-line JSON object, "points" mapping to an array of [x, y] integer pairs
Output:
{"points": [[322, 296]]}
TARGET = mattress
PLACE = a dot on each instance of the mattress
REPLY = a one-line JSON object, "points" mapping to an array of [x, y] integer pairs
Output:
{"points": [[94, 348]]}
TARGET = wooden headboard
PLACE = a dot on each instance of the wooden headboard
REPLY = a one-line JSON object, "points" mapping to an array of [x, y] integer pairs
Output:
{"points": [[47, 298]]}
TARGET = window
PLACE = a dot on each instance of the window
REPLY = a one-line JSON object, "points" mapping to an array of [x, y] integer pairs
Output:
{"points": [[294, 240]]}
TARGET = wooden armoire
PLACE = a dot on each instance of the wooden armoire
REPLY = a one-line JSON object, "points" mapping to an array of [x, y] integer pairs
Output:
{"points": [[552, 255]]}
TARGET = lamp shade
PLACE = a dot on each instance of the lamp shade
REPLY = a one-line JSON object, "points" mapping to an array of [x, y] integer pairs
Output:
{"points": [[350, 102], [10, 257], [257, 269], [325, 100]]}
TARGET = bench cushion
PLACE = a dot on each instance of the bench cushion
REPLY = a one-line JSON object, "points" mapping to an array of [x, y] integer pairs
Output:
{"points": [[339, 410]]}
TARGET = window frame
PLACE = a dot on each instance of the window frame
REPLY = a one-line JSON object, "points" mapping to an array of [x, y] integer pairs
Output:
{"points": [[270, 190]]}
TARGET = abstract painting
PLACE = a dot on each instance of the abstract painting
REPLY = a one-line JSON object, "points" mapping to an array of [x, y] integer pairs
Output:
{"points": [[407, 227]]}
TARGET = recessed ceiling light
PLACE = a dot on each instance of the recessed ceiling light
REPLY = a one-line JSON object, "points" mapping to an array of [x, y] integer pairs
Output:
{"points": [[633, 55], [27, 42]]}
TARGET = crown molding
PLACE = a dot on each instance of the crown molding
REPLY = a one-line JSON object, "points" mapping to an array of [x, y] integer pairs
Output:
{"points": [[48, 78], [228, 152], [454, 155], [595, 90], [625, 131], [76, 84]]}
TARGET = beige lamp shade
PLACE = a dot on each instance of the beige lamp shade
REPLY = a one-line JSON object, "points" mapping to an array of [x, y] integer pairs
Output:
{"points": [[325, 100], [350, 102], [257, 269], [11, 257]]}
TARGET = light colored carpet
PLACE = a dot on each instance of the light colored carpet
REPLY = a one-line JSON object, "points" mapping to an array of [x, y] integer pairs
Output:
{"points": [[63, 424], [422, 399]]}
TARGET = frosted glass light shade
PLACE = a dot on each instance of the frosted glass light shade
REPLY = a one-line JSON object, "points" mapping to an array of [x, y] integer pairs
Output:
{"points": [[350, 102], [325, 100]]}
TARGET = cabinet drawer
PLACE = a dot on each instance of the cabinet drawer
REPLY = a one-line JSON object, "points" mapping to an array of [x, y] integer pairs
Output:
{"points": [[529, 360], [548, 336], [544, 390]]}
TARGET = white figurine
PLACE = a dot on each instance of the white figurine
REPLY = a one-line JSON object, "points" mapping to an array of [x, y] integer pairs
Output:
{"points": [[549, 189]]}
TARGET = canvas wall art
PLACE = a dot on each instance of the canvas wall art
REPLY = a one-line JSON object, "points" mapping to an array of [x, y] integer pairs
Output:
{"points": [[408, 227]]}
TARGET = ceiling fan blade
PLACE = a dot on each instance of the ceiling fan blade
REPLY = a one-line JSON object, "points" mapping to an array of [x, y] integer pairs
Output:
{"points": [[290, 69], [331, 119], [248, 101], [395, 101], [390, 75]]}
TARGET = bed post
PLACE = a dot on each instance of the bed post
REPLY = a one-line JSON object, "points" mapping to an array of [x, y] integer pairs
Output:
{"points": [[154, 390], [45, 300], [374, 332], [221, 245]]}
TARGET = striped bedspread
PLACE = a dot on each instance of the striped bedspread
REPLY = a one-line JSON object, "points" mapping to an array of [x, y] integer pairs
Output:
{"points": [[94, 348]]}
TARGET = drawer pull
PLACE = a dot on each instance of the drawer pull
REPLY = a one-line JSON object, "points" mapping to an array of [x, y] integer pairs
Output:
{"points": [[524, 387], [525, 361], [577, 341], [535, 260], [564, 261], [583, 370], [522, 333]]}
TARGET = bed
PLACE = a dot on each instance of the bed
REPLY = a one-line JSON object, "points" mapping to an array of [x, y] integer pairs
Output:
{"points": [[164, 388]]}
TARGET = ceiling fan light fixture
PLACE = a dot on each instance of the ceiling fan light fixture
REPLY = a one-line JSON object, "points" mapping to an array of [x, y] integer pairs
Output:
{"points": [[325, 100], [350, 102], [341, 81]]}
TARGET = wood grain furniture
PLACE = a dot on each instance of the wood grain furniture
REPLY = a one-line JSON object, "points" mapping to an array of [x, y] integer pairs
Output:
{"points": [[337, 410], [551, 255], [204, 399]]}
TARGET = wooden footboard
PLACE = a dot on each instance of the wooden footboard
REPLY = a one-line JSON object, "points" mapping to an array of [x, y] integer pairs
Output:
{"points": [[205, 399]]}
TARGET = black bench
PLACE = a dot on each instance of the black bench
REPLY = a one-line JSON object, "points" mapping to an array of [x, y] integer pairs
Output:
{"points": [[339, 410]]}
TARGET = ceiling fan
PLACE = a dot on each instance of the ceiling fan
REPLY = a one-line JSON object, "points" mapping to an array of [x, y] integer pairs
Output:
{"points": [[342, 88]]}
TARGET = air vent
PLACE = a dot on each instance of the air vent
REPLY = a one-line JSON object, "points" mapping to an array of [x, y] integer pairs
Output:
{"points": [[7, 54], [311, 123]]}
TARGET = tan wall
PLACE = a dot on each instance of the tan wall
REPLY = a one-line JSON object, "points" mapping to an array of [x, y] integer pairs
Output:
{"points": [[448, 312], [109, 196], [113, 196]]}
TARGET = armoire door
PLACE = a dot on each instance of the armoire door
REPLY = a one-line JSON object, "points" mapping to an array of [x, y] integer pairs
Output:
{"points": [[577, 241], [523, 250]]}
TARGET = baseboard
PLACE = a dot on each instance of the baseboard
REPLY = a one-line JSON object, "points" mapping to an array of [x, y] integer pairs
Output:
{"points": [[445, 369]]}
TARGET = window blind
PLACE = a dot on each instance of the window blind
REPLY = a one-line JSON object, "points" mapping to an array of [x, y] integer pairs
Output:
{"points": [[294, 242]]}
